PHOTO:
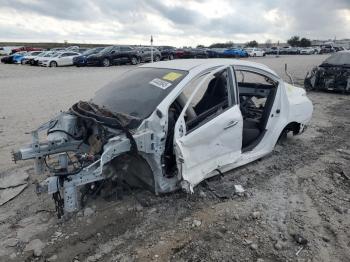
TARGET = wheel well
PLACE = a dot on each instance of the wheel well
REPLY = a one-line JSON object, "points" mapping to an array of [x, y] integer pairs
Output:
{"points": [[134, 170], [292, 127]]}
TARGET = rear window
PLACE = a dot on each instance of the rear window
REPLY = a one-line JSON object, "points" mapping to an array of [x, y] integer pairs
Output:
{"points": [[138, 92]]}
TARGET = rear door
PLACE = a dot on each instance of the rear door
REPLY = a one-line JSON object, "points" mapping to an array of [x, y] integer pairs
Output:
{"points": [[144, 54], [70, 57], [63, 59], [115, 55], [125, 53], [213, 138]]}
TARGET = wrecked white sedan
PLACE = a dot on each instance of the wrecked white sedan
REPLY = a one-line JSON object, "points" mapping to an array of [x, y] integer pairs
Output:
{"points": [[165, 126]]}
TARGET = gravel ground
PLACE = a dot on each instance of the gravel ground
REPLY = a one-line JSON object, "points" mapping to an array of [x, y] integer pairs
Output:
{"points": [[300, 192]]}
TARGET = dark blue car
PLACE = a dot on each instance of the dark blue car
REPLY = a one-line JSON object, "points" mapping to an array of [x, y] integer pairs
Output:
{"points": [[213, 53], [235, 52], [82, 59]]}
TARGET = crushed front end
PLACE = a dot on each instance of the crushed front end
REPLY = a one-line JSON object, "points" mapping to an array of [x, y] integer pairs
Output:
{"points": [[332, 75], [87, 146], [329, 78]]}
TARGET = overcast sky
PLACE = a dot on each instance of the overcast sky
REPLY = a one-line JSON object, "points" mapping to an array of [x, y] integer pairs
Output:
{"points": [[173, 22]]}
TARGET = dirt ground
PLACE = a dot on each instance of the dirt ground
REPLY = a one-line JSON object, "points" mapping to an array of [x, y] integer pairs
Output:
{"points": [[299, 193]]}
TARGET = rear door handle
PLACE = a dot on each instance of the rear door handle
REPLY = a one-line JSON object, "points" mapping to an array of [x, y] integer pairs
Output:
{"points": [[231, 124]]}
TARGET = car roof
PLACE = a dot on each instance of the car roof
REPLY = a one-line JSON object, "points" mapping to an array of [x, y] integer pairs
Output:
{"points": [[191, 64]]}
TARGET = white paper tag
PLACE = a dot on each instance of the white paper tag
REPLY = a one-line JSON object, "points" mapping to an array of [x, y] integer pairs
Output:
{"points": [[160, 83]]}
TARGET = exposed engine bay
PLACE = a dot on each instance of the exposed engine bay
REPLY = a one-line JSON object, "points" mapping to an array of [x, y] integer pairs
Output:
{"points": [[332, 75], [75, 146]]}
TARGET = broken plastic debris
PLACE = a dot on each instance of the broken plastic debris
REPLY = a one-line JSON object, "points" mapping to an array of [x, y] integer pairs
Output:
{"points": [[239, 189]]}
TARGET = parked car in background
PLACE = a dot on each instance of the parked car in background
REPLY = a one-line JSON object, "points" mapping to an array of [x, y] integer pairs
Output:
{"points": [[325, 49], [145, 54], [82, 59], [14, 58], [191, 53], [272, 50], [317, 49], [216, 52], [339, 48], [114, 55], [235, 52], [60, 59], [26, 48], [308, 51], [7, 59], [289, 50], [18, 56], [29, 57], [213, 53], [254, 51], [36, 61], [167, 52]]}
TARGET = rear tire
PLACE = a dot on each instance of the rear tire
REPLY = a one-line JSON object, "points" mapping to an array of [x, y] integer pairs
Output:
{"points": [[23, 62], [106, 62], [157, 58], [171, 57], [53, 64], [134, 60]]}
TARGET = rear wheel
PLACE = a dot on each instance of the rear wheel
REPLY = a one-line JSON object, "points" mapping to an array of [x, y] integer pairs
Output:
{"points": [[53, 64], [134, 60], [157, 58], [23, 62], [171, 57], [106, 62]]}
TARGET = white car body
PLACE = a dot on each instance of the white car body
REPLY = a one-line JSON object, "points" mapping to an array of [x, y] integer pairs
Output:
{"points": [[30, 55], [308, 51], [203, 142], [43, 56], [60, 59], [255, 51]]}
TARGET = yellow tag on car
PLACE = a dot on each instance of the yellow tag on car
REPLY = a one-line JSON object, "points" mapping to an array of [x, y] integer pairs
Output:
{"points": [[172, 76]]}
